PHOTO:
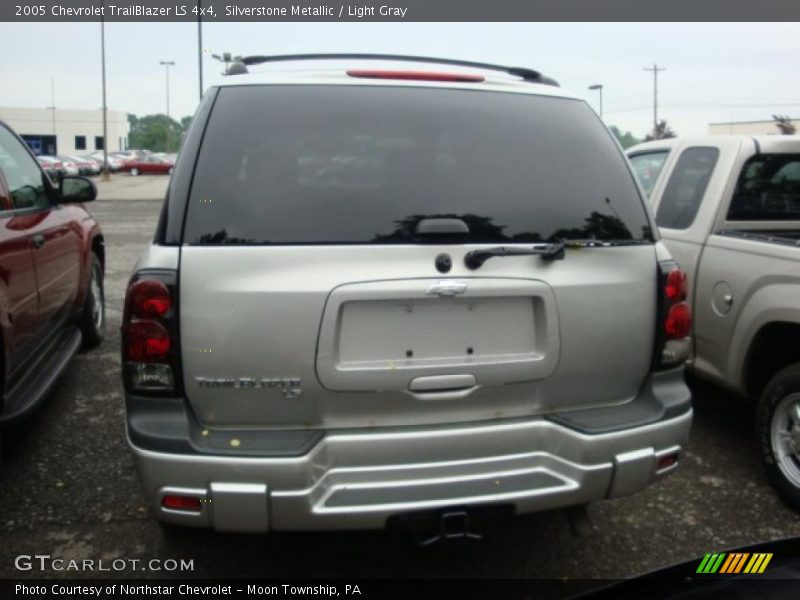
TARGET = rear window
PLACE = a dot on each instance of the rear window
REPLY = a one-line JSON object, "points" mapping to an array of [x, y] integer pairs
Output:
{"points": [[364, 164], [768, 189], [686, 187]]}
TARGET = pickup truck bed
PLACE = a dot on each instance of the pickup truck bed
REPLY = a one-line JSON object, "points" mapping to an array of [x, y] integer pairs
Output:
{"points": [[728, 209]]}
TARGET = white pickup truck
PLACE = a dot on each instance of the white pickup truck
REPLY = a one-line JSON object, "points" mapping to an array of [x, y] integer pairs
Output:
{"points": [[728, 209]]}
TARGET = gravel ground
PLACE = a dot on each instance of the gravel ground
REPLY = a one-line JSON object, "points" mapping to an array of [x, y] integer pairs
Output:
{"points": [[68, 487]]}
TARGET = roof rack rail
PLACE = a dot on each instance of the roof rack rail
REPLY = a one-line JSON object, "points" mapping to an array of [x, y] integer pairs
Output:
{"points": [[240, 66]]}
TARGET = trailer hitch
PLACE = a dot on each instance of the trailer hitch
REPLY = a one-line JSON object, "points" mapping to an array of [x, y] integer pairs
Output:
{"points": [[453, 525]]}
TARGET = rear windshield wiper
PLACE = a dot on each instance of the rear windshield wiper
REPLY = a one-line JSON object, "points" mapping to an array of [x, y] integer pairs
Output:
{"points": [[476, 258]]}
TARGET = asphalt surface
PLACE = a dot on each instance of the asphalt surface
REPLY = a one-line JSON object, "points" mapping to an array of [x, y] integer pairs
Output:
{"points": [[68, 486]]}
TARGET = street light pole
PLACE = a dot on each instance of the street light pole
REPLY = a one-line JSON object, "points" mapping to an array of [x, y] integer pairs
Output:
{"points": [[599, 86], [167, 64], [105, 176]]}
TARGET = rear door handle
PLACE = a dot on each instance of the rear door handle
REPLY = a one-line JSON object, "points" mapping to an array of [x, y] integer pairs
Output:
{"points": [[443, 387], [39, 240]]}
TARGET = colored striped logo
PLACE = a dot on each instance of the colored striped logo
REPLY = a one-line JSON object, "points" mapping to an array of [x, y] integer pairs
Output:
{"points": [[735, 562]]}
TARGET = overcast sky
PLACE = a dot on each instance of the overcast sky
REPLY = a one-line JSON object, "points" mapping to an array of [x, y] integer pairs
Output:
{"points": [[715, 72]]}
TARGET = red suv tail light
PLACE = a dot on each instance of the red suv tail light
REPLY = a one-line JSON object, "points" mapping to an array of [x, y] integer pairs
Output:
{"points": [[673, 343], [150, 353], [146, 341], [149, 297]]}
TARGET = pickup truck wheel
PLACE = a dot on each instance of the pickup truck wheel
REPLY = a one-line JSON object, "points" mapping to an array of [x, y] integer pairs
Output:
{"points": [[93, 318], [779, 433]]}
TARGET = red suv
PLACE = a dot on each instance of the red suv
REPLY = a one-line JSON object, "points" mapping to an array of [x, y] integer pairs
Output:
{"points": [[51, 276]]}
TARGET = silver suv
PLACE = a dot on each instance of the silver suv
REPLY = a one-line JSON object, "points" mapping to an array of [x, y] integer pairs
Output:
{"points": [[381, 292]]}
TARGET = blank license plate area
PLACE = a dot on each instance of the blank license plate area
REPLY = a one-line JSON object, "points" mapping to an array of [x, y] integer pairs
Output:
{"points": [[437, 331]]}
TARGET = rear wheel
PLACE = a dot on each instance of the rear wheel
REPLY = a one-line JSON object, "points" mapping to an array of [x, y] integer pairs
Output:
{"points": [[134, 171], [93, 318], [171, 169], [779, 433]]}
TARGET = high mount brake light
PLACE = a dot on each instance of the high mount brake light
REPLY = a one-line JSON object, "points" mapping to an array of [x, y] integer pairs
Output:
{"points": [[415, 75]]}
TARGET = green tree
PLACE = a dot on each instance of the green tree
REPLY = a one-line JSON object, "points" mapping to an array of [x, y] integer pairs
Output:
{"points": [[784, 124], [158, 133], [626, 140], [662, 131]]}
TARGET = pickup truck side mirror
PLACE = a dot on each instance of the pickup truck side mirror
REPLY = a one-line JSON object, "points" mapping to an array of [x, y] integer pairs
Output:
{"points": [[73, 188]]}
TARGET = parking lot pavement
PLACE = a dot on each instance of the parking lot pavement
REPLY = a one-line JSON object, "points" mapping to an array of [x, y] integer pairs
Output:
{"points": [[123, 186], [68, 487]]}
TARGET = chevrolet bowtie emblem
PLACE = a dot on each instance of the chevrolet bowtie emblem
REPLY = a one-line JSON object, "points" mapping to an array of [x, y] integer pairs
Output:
{"points": [[447, 288]]}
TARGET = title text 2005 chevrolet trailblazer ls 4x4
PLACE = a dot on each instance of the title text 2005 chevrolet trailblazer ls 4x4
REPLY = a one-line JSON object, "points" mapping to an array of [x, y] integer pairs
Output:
{"points": [[379, 293]]}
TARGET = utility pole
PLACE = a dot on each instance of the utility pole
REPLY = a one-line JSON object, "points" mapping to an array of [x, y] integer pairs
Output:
{"points": [[200, 47], [53, 114], [105, 176], [655, 69]]}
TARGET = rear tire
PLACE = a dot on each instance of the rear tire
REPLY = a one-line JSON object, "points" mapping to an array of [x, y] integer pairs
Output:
{"points": [[778, 420], [134, 172], [171, 169], [92, 321]]}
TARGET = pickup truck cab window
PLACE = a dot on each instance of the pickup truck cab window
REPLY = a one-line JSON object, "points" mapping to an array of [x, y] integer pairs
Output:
{"points": [[648, 166], [686, 186], [768, 189]]}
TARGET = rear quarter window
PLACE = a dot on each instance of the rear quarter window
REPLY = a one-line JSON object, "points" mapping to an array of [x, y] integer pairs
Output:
{"points": [[364, 164], [647, 166], [686, 187]]}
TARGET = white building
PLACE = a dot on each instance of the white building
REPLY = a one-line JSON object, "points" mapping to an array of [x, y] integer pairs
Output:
{"points": [[746, 128], [49, 131]]}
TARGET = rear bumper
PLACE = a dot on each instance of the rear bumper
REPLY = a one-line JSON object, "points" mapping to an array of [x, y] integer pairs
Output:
{"points": [[358, 480]]}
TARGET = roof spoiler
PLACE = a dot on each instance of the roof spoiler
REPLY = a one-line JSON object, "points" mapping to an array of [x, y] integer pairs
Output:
{"points": [[240, 64]]}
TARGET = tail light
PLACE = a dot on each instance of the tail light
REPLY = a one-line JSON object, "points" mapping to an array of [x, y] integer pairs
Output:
{"points": [[150, 351], [673, 343]]}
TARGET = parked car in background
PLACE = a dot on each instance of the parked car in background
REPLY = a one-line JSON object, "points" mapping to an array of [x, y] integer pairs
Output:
{"points": [[148, 165], [453, 322], [86, 166], [124, 159], [114, 164], [96, 165], [83, 166], [69, 165], [164, 156], [52, 166], [52, 257], [728, 209]]}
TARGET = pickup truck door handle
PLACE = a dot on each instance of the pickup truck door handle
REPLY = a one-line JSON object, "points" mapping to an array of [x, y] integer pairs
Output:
{"points": [[38, 240]]}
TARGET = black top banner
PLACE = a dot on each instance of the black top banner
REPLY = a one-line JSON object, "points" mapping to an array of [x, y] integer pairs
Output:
{"points": [[400, 10]]}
